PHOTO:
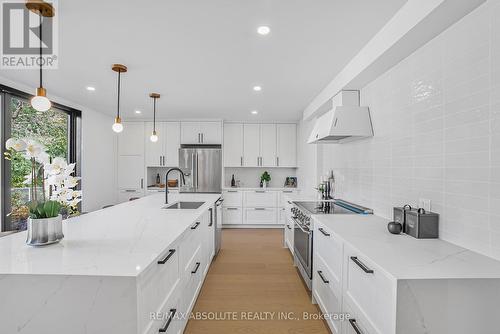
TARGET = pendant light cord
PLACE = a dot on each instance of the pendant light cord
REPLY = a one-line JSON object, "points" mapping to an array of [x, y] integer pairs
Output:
{"points": [[41, 59], [119, 75], [154, 114]]}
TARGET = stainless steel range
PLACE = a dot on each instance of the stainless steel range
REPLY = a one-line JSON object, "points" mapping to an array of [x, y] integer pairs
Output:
{"points": [[303, 232]]}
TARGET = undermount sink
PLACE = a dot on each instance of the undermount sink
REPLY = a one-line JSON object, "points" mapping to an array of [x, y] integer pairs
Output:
{"points": [[184, 205]]}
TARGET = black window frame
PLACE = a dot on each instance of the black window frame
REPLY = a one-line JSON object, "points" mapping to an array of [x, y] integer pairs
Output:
{"points": [[75, 144]]}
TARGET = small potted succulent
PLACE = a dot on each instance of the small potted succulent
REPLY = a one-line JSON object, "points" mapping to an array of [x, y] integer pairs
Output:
{"points": [[51, 191], [265, 178]]}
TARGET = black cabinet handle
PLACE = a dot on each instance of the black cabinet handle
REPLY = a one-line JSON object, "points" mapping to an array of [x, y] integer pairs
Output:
{"points": [[210, 225], [169, 255], [320, 273], [195, 226], [170, 317], [288, 227], [361, 265], [211, 216], [324, 232], [355, 326], [196, 268]]}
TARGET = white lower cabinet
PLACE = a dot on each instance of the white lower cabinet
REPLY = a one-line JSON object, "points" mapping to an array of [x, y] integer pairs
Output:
{"points": [[346, 281], [261, 199], [129, 195], [260, 216], [232, 216], [170, 286]]}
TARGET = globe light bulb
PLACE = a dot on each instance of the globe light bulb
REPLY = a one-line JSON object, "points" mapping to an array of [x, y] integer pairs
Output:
{"points": [[118, 126], [154, 137], [40, 102]]}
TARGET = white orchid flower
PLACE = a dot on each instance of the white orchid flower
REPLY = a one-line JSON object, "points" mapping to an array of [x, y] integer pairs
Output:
{"points": [[33, 149], [43, 158], [15, 144], [71, 181]]}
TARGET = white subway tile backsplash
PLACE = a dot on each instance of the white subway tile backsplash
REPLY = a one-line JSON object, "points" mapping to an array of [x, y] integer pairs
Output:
{"points": [[436, 118]]}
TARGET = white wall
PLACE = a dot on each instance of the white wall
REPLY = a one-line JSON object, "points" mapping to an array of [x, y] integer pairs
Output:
{"points": [[436, 119], [98, 152]]}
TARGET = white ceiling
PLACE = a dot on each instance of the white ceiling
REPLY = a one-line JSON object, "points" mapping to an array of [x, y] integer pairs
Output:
{"points": [[204, 57]]}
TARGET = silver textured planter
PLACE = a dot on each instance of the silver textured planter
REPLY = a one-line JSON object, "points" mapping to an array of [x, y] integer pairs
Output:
{"points": [[45, 231]]}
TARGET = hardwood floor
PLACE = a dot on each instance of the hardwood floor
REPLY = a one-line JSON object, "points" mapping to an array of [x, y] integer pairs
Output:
{"points": [[253, 273]]}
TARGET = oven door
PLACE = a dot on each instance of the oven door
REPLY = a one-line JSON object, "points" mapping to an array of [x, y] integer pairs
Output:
{"points": [[303, 247]]}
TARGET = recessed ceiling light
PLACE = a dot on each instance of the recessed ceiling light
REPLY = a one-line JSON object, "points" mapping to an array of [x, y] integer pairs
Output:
{"points": [[90, 88], [138, 112], [254, 112], [263, 30], [257, 88]]}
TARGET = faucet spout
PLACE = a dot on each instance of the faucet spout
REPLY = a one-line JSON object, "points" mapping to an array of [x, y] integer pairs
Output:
{"points": [[181, 173]]}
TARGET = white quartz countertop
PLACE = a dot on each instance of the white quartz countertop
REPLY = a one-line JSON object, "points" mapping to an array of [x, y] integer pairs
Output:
{"points": [[118, 241], [258, 188], [404, 257]]}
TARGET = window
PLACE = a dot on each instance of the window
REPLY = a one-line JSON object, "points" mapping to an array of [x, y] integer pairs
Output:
{"points": [[57, 129]]}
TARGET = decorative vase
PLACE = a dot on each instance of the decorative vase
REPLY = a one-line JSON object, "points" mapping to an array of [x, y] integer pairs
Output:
{"points": [[264, 184], [44, 231]]}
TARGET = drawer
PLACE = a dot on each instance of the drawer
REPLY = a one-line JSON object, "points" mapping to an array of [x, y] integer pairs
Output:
{"points": [[329, 249], [191, 241], [156, 283], [232, 216], [281, 197], [260, 216], [261, 199], [327, 293], [232, 198], [370, 290], [168, 318], [193, 281], [356, 323]]}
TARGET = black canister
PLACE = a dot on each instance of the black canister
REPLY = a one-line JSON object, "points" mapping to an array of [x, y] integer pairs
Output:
{"points": [[422, 225]]}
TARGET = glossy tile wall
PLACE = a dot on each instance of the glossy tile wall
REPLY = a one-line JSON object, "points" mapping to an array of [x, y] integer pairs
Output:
{"points": [[436, 118]]}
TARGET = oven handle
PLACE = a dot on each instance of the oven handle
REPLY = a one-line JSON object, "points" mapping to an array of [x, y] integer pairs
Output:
{"points": [[300, 226]]}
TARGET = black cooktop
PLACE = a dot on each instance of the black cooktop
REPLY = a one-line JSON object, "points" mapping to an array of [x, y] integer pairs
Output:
{"points": [[327, 207]]}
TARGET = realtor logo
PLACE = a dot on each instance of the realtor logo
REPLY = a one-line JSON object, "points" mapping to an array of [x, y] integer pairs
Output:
{"points": [[22, 32]]}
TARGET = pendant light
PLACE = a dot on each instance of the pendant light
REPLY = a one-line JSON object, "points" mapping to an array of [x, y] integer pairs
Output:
{"points": [[40, 102], [154, 136], [118, 126]]}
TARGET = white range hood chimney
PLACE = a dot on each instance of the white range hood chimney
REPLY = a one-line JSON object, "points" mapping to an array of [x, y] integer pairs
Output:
{"points": [[345, 121]]}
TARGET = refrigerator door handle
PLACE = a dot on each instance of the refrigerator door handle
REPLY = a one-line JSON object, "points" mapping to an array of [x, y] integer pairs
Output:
{"points": [[197, 185]]}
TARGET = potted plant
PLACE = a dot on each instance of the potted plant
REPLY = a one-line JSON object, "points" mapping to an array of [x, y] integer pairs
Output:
{"points": [[265, 178], [51, 191]]}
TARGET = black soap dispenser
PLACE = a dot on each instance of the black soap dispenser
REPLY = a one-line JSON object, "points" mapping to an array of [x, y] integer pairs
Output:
{"points": [[158, 180], [233, 182]]}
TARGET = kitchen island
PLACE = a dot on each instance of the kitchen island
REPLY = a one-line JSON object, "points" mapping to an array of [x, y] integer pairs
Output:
{"points": [[124, 269]]}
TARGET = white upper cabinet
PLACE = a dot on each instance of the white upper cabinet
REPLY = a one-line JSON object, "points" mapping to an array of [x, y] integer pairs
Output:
{"points": [[130, 172], [233, 145], [173, 143], [268, 145], [131, 140], [164, 152], [251, 145], [286, 155], [201, 133]]}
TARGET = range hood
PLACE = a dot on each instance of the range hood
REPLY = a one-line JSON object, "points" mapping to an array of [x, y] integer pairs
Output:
{"points": [[344, 121]]}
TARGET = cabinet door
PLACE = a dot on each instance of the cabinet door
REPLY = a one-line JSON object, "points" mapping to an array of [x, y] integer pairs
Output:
{"points": [[172, 144], [211, 133], [154, 151], [130, 172], [131, 140], [233, 145], [190, 133], [127, 195], [268, 145], [251, 145], [260, 216], [286, 145], [232, 216]]}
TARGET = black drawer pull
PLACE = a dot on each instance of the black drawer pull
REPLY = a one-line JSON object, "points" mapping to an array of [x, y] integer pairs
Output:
{"points": [[288, 226], [361, 265], [196, 268], [171, 315], [355, 326], [169, 255], [320, 273], [195, 226], [324, 232], [211, 223]]}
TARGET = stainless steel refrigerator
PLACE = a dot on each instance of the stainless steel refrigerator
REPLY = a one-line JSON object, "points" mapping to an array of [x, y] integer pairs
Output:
{"points": [[202, 166]]}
